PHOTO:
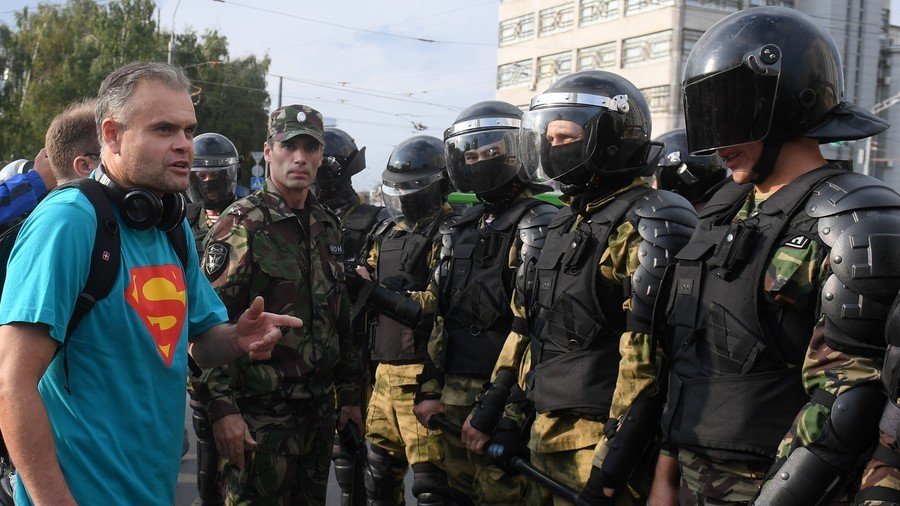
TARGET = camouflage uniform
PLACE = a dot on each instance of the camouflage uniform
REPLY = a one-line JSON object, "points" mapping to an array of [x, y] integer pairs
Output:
{"points": [[469, 473], [794, 276], [566, 445], [259, 247], [390, 422]]}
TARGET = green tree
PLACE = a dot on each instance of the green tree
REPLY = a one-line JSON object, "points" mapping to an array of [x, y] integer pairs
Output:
{"points": [[57, 54]]}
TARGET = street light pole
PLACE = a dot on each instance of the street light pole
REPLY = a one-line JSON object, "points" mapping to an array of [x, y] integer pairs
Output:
{"points": [[877, 108], [172, 38]]}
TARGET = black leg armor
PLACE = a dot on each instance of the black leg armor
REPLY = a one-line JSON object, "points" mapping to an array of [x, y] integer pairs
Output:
{"points": [[381, 481], [209, 484], [430, 485], [346, 470]]}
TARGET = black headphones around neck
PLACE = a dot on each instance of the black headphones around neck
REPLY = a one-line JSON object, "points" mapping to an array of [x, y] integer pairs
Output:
{"points": [[142, 208]]}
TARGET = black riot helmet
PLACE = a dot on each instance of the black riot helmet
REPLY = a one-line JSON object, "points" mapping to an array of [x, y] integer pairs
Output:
{"points": [[481, 150], [415, 184], [350, 159], [585, 125], [214, 173], [695, 177], [768, 73]]}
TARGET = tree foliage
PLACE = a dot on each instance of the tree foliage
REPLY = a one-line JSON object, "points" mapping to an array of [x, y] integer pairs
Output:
{"points": [[57, 54]]}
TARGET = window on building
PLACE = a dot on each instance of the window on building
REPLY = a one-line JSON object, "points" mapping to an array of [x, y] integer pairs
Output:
{"points": [[775, 3], [654, 47], [516, 29], [657, 98], [688, 39], [557, 19], [602, 56], [597, 11], [722, 5], [514, 74], [553, 66], [635, 6]]}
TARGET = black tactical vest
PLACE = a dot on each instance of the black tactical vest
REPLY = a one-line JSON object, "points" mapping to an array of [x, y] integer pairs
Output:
{"points": [[355, 229], [735, 353], [578, 316], [475, 296], [403, 254]]}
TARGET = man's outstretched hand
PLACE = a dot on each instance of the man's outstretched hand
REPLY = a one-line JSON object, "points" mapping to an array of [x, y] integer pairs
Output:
{"points": [[258, 331]]}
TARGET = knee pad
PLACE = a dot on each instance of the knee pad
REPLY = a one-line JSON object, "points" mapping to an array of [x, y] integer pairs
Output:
{"points": [[430, 486], [379, 478]]}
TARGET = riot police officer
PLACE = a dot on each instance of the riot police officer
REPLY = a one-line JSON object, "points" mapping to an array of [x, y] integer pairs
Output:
{"points": [[769, 382], [213, 179], [415, 188], [484, 251], [592, 362], [694, 177]]}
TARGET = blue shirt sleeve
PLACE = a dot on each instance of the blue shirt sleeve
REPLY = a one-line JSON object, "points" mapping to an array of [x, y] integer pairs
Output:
{"points": [[49, 263], [19, 195], [205, 308]]}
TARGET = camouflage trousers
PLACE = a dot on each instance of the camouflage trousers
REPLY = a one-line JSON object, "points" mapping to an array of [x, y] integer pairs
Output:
{"points": [[392, 426], [292, 458], [472, 475], [573, 468], [880, 475], [705, 482]]}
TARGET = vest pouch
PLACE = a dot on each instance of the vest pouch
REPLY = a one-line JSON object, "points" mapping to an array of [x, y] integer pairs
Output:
{"points": [[726, 344], [581, 380], [735, 248], [462, 266], [487, 248], [742, 413], [478, 306], [570, 325], [577, 251]]}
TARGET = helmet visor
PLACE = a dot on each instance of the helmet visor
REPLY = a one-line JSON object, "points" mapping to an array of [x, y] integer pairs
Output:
{"points": [[413, 205], [214, 186], [482, 161], [556, 141], [732, 107]]}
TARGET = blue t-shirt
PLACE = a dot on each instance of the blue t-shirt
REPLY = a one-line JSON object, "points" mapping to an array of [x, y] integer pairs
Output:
{"points": [[118, 435]]}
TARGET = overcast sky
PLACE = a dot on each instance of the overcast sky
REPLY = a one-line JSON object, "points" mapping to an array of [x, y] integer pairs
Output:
{"points": [[370, 74]]}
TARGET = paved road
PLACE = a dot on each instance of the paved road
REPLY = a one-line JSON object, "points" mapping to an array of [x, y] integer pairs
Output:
{"points": [[187, 476]]}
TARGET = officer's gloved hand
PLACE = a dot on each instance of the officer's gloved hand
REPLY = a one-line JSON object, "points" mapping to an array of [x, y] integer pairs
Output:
{"points": [[592, 493], [353, 281], [507, 443], [395, 283]]}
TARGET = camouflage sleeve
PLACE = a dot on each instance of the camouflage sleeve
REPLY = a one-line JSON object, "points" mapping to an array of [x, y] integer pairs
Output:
{"points": [[431, 384], [428, 298], [227, 265], [372, 261], [512, 410], [793, 276], [638, 366]]}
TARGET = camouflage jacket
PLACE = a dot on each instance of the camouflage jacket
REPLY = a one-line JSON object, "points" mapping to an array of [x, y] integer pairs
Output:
{"points": [[260, 247]]}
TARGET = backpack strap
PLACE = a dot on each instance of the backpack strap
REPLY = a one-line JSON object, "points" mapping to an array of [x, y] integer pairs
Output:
{"points": [[105, 259]]}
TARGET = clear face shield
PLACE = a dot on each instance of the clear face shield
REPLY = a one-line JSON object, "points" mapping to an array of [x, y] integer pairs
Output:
{"points": [[412, 202], [212, 185], [481, 161]]}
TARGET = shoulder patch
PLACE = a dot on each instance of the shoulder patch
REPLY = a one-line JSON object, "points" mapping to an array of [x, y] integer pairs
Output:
{"points": [[797, 242], [216, 258], [336, 248]]}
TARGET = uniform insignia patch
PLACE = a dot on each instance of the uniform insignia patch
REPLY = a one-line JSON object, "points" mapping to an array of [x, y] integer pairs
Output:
{"points": [[216, 258], [799, 242], [336, 249]]}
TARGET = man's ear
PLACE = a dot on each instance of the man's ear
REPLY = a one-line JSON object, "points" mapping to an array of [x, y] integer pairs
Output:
{"points": [[110, 134], [81, 166], [267, 152]]}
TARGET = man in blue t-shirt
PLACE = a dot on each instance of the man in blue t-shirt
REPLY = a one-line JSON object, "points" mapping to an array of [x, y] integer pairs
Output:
{"points": [[116, 438]]}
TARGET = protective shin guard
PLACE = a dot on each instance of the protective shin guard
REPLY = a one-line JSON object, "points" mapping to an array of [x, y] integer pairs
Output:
{"points": [[209, 484], [381, 482], [430, 485], [344, 472]]}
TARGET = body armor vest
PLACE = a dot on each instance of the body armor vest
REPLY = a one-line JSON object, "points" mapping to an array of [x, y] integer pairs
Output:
{"points": [[577, 314], [403, 254], [735, 384], [355, 229], [475, 296]]}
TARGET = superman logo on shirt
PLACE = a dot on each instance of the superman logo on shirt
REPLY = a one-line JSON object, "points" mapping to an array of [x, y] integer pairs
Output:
{"points": [[157, 294]]}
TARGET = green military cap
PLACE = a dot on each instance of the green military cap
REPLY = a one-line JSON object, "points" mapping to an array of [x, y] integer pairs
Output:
{"points": [[292, 120]]}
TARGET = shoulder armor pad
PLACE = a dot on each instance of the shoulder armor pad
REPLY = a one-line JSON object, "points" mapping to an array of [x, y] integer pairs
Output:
{"points": [[866, 256], [533, 225], [383, 226], [665, 222], [853, 323], [850, 192]]}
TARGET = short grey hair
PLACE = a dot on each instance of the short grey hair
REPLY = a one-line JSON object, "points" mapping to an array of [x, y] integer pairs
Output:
{"points": [[113, 99]]}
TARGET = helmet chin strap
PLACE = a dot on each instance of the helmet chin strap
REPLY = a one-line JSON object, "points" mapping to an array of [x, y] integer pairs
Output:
{"points": [[766, 163]]}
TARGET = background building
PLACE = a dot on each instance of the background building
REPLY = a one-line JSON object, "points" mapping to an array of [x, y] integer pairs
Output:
{"points": [[647, 41]]}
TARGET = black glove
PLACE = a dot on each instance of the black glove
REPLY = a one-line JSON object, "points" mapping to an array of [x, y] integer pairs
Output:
{"points": [[592, 493], [396, 283], [353, 281], [507, 443]]}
